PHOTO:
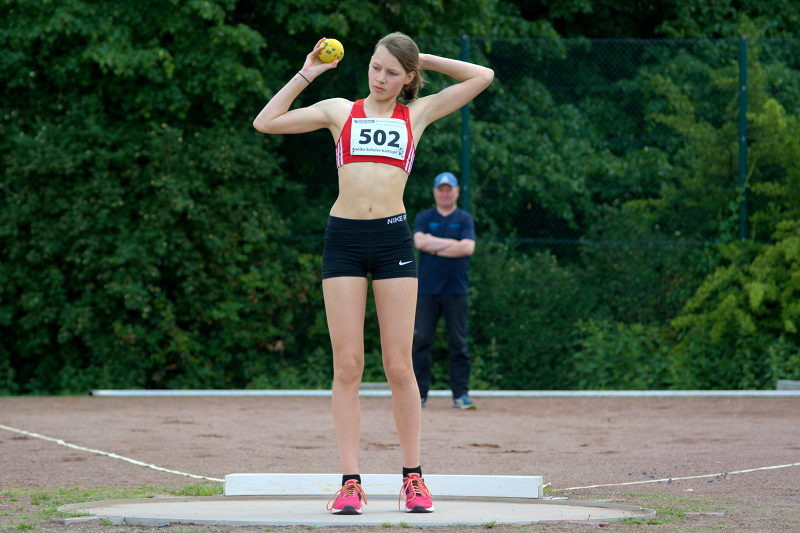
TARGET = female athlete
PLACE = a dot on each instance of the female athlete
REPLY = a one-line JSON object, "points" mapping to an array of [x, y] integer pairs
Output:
{"points": [[367, 233]]}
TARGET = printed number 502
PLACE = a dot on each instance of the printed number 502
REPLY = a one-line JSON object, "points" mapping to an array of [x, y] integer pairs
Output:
{"points": [[379, 138]]}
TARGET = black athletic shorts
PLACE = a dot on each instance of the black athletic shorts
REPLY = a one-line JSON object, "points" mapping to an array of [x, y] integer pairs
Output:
{"points": [[382, 247]]}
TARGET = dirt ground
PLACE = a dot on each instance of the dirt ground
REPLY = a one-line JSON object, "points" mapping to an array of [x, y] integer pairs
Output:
{"points": [[572, 442]]}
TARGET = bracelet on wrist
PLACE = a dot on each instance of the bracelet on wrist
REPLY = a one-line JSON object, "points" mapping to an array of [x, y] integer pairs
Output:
{"points": [[301, 75]]}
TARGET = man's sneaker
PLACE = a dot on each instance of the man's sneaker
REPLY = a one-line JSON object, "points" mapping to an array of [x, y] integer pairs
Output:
{"points": [[424, 403], [417, 495], [463, 402], [348, 499]]}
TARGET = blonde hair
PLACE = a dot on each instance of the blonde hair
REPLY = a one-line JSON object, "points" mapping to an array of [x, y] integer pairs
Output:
{"points": [[403, 47]]}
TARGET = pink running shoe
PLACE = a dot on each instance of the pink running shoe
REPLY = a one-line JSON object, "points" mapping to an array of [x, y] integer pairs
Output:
{"points": [[418, 497], [348, 499]]}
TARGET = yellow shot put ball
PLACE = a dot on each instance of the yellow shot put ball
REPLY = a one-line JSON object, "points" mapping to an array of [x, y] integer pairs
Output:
{"points": [[331, 51]]}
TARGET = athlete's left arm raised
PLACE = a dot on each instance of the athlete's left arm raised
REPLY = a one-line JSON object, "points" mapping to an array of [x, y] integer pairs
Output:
{"points": [[473, 79]]}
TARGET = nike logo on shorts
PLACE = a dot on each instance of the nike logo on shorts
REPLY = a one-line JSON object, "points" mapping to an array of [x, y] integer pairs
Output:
{"points": [[404, 263]]}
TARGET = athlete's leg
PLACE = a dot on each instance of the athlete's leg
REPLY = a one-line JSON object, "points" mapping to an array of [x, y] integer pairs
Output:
{"points": [[345, 304], [395, 301]]}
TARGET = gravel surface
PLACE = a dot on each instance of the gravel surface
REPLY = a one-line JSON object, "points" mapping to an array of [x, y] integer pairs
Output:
{"points": [[625, 444]]}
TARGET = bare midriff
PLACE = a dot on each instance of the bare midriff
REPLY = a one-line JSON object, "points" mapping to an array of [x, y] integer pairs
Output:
{"points": [[369, 190]]}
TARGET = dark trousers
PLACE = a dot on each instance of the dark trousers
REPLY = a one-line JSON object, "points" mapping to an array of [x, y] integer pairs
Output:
{"points": [[429, 309]]}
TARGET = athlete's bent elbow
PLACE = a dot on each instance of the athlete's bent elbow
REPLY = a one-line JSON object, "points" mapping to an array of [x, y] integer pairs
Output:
{"points": [[260, 126], [488, 76]]}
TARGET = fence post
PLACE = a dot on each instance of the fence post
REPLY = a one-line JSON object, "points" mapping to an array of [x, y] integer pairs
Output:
{"points": [[465, 137], [743, 137]]}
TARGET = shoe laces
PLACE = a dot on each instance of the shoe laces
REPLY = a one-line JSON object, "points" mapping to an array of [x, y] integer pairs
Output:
{"points": [[350, 488], [413, 487]]}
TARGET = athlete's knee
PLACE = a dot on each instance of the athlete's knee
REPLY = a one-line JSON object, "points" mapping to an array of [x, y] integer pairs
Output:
{"points": [[398, 373], [348, 370]]}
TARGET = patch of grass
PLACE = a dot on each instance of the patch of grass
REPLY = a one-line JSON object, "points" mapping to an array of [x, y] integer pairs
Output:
{"points": [[681, 504], [42, 504], [548, 490], [39, 499], [641, 521], [49, 500], [204, 489], [670, 509]]}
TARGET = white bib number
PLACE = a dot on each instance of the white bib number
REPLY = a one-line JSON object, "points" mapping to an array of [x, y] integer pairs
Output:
{"points": [[385, 137]]}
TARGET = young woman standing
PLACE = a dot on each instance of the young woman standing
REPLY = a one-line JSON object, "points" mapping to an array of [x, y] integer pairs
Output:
{"points": [[368, 233]]}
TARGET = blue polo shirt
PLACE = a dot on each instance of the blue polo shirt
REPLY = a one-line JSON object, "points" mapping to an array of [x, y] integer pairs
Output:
{"points": [[444, 275]]}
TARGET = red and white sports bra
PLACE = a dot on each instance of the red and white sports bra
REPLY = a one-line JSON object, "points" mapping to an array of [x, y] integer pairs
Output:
{"points": [[376, 140]]}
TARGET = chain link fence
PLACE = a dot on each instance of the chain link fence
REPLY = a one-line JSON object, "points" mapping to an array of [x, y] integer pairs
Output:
{"points": [[613, 167], [573, 124], [602, 174], [583, 133]]}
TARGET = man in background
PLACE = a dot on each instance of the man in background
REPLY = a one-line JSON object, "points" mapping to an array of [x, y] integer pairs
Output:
{"points": [[445, 237]]}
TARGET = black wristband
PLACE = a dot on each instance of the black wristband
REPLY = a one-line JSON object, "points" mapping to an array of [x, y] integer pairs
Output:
{"points": [[301, 75]]}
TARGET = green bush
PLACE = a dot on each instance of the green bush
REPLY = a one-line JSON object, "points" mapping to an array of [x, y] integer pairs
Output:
{"points": [[741, 327], [151, 238], [639, 274], [142, 245], [618, 356], [522, 313], [783, 359]]}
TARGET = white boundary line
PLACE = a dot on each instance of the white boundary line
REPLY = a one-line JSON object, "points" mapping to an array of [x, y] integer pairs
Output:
{"points": [[667, 480], [107, 454], [474, 393]]}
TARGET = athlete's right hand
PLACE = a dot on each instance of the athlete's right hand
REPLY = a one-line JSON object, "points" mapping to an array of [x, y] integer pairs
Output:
{"points": [[313, 65]]}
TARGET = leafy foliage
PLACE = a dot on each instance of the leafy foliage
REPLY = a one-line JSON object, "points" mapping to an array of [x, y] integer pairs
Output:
{"points": [[151, 238], [740, 329], [526, 305], [141, 243], [612, 355]]}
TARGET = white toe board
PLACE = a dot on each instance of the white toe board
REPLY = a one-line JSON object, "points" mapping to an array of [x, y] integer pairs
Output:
{"points": [[383, 485]]}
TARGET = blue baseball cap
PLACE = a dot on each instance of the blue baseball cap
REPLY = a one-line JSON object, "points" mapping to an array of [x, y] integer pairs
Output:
{"points": [[445, 178]]}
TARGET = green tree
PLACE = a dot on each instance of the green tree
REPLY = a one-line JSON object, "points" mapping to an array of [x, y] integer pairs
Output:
{"points": [[150, 237], [695, 19], [675, 19], [141, 246], [700, 195], [618, 356], [742, 327], [521, 319]]}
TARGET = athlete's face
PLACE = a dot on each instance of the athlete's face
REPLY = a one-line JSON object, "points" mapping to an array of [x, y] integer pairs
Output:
{"points": [[386, 75], [445, 196]]}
